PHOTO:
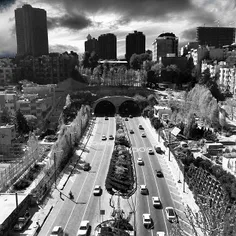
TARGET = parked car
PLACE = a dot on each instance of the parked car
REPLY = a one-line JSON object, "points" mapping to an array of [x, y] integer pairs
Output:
{"points": [[140, 161], [111, 137], [86, 166], [126, 119], [83, 228], [131, 131], [22, 222], [156, 202], [106, 118], [104, 137], [130, 116], [147, 221], [158, 150], [97, 190], [170, 214], [159, 173], [57, 230], [143, 189]]}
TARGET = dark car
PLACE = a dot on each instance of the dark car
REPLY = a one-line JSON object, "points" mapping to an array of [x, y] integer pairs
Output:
{"points": [[106, 118], [158, 150], [159, 173], [126, 119], [86, 167], [111, 137], [130, 116]]}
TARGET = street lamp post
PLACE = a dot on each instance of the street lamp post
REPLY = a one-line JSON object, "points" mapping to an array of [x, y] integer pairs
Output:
{"points": [[55, 165], [169, 144]]}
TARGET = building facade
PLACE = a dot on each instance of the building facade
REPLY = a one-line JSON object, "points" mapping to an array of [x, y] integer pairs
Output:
{"points": [[215, 36], [165, 44], [107, 47], [31, 31], [135, 43], [91, 45]]}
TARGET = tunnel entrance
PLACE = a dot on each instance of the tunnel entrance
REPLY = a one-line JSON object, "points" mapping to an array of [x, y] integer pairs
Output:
{"points": [[129, 108], [104, 108]]}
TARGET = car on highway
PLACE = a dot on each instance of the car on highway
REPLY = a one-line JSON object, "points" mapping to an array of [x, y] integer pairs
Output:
{"points": [[83, 228], [104, 137], [143, 189], [143, 135], [170, 214], [97, 190], [140, 127], [159, 150], [130, 116], [159, 173], [140, 161], [111, 137], [160, 233], [86, 166], [106, 118], [126, 119], [57, 230], [150, 151], [147, 221], [131, 131], [156, 202]]}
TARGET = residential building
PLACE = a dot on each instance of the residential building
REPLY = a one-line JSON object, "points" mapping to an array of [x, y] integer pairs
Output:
{"points": [[8, 101], [135, 43], [186, 48], [7, 134], [107, 47], [215, 36], [229, 163], [166, 43], [47, 69], [31, 31], [91, 44], [163, 113]]}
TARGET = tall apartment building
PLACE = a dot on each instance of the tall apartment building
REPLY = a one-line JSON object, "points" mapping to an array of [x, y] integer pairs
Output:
{"points": [[215, 36], [166, 44], [107, 46], [31, 31], [135, 43], [91, 44]]}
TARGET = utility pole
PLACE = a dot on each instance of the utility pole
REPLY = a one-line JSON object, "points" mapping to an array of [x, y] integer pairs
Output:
{"points": [[169, 144], [55, 165]]}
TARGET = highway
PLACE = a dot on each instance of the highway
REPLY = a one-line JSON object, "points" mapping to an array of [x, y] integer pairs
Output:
{"points": [[146, 175], [86, 206]]}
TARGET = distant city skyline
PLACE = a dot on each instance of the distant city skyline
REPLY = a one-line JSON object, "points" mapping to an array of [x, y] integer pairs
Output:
{"points": [[70, 21]]}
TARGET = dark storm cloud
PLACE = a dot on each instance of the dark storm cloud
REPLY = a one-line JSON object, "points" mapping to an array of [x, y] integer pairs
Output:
{"points": [[189, 34], [128, 9], [6, 3], [75, 22]]}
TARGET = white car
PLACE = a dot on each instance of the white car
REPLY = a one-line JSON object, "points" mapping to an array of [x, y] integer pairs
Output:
{"points": [[150, 151], [143, 189], [170, 214], [97, 190], [160, 233], [156, 201], [57, 230], [147, 219], [143, 135], [140, 161], [104, 137], [83, 228]]}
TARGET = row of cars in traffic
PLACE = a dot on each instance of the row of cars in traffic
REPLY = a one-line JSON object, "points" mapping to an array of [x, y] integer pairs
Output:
{"points": [[156, 201]]}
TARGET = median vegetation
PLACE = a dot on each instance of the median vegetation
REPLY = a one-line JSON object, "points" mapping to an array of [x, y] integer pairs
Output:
{"points": [[120, 176]]}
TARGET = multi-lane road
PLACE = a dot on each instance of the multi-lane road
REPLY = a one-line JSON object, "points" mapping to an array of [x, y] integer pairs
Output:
{"points": [[85, 206]]}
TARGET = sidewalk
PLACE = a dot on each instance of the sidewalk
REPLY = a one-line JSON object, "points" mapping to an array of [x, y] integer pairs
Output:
{"points": [[185, 194], [41, 215]]}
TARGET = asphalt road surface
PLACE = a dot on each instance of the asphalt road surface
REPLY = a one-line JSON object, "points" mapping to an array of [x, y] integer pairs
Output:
{"points": [[85, 206]]}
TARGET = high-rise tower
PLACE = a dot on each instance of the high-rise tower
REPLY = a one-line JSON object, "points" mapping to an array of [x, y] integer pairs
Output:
{"points": [[135, 43], [107, 46], [31, 31]]}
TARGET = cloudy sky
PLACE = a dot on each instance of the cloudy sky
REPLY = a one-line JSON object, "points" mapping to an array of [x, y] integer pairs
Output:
{"points": [[70, 21]]}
